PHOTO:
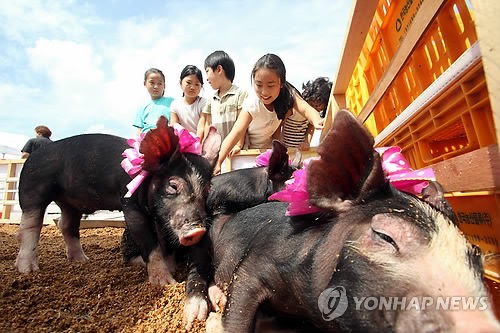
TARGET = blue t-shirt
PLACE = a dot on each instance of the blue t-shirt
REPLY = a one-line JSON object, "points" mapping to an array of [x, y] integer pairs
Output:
{"points": [[148, 114]]}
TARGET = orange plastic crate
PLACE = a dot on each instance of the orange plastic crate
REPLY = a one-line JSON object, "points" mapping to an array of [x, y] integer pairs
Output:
{"points": [[456, 122], [479, 218], [449, 36]]}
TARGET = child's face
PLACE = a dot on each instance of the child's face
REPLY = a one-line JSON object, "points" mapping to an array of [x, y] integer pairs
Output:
{"points": [[212, 78], [155, 85], [191, 86], [267, 85], [317, 105]]}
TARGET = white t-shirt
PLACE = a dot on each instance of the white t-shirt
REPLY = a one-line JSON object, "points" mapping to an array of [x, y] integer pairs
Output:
{"points": [[264, 123], [189, 115]]}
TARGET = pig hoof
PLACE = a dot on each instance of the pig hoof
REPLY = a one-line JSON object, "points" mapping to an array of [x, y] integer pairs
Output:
{"points": [[217, 297], [26, 265], [194, 308], [79, 257], [214, 323]]}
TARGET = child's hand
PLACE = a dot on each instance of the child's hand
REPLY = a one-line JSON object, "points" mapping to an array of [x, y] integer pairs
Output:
{"points": [[217, 169], [319, 123], [236, 149], [304, 146]]}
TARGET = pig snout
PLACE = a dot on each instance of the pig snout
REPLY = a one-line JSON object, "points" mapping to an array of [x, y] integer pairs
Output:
{"points": [[192, 236]]}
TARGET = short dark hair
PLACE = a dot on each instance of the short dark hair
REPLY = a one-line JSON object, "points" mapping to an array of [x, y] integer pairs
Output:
{"points": [[191, 69], [221, 58], [43, 131], [317, 90]]}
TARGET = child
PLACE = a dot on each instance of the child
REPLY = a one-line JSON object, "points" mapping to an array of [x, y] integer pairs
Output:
{"points": [[187, 111], [263, 111], [297, 131], [148, 114], [42, 138], [223, 107], [317, 93]]}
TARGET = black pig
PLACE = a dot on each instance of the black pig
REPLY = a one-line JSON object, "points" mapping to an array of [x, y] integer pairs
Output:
{"points": [[83, 174], [234, 191], [369, 240]]}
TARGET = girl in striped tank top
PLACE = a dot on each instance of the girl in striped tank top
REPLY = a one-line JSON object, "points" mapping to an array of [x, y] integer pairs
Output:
{"points": [[297, 130]]}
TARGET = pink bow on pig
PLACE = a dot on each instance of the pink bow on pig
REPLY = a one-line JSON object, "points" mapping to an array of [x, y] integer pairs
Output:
{"points": [[396, 169], [399, 173], [132, 164]]}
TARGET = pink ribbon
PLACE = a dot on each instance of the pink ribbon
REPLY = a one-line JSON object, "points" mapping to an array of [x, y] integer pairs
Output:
{"points": [[296, 193], [396, 169], [188, 141], [263, 159], [132, 164]]}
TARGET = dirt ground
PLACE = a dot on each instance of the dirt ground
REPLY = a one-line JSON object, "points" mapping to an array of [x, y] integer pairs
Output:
{"points": [[101, 295]]}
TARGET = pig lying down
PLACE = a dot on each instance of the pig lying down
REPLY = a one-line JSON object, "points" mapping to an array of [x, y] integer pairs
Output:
{"points": [[369, 240], [234, 191], [83, 174]]}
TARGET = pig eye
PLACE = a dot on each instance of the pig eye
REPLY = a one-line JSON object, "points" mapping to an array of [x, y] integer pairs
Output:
{"points": [[172, 188], [386, 238]]}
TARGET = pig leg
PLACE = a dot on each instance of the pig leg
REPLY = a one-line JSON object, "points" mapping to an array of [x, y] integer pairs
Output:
{"points": [[69, 224], [132, 254], [28, 236], [200, 273], [245, 295], [216, 297], [158, 270], [214, 323], [146, 241]]}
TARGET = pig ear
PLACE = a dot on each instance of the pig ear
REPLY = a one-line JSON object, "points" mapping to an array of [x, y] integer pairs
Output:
{"points": [[433, 194], [278, 161], [349, 167], [158, 144], [297, 159], [211, 146]]}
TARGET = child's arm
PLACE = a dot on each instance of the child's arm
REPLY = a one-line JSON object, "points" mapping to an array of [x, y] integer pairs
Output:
{"points": [[200, 128], [174, 118], [237, 133], [308, 112], [208, 122], [239, 145]]}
